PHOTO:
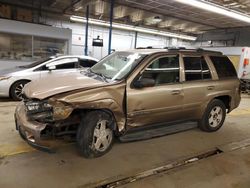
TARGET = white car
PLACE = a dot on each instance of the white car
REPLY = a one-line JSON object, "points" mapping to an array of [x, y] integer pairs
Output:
{"points": [[13, 80]]}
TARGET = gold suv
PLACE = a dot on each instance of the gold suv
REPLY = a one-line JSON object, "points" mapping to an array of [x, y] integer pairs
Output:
{"points": [[131, 95]]}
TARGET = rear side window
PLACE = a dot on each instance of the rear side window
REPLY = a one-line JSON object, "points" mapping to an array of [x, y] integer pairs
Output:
{"points": [[196, 68], [223, 66]]}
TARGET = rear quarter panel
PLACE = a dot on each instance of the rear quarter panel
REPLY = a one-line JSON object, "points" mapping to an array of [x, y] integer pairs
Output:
{"points": [[225, 87]]}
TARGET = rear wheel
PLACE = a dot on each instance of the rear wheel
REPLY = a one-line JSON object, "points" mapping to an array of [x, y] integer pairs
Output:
{"points": [[16, 89], [213, 117], [95, 136]]}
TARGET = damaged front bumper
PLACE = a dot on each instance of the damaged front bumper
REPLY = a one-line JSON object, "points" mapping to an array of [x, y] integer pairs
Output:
{"points": [[30, 131]]}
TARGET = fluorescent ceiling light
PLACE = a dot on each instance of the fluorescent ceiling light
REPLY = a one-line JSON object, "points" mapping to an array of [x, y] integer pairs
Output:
{"points": [[216, 9], [132, 28]]}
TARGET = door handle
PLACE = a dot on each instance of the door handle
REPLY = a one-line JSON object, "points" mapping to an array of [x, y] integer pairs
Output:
{"points": [[176, 92], [210, 87]]}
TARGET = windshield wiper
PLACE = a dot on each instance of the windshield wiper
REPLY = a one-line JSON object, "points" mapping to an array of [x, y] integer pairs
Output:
{"points": [[100, 74]]}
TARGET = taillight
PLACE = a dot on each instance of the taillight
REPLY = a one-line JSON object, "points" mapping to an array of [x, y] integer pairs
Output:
{"points": [[246, 62]]}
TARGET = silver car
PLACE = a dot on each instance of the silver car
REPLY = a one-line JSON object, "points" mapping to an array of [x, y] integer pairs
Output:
{"points": [[13, 80]]}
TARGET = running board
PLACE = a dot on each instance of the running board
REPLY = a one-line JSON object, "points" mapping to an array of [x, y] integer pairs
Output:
{"points": [[143, 134]]}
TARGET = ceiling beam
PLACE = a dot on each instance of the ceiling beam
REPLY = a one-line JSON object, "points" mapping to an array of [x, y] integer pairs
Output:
{"points": [[170, 16], [32, 7]]}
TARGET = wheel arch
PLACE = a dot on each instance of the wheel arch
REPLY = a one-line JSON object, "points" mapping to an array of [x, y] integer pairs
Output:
{"points": [[26, 80], [226, 99], [83, 111]]}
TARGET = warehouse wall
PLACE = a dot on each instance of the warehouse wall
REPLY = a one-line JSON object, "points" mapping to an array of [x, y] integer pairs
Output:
{"points": [[121, 40], [75, 33], [226, 37]]}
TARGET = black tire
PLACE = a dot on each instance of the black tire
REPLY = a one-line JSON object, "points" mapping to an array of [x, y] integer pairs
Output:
{"points": [[87, 141], [16, 89], [214, 116]]}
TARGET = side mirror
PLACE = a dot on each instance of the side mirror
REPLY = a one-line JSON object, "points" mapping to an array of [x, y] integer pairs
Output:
{"points": [[144, 82], [52, 67]]}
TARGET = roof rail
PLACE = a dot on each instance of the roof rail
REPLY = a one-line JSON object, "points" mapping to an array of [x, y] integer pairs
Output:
{"points": [[175, 48], [148, 47]]}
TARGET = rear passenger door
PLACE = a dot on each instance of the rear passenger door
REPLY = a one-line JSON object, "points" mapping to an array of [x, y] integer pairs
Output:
{"points": [[196, 86]]}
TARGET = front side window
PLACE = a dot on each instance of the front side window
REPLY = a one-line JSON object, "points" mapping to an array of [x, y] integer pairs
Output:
{"points": [[117, 65], [163, 70], [196, 68], [71, 65], [65, 63]]}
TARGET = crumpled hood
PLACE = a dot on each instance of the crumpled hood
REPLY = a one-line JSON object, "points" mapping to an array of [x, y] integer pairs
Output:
{"points": [[56, 84]]}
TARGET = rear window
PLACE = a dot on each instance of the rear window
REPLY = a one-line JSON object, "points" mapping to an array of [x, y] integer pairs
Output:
{"points": [[223, 66]]}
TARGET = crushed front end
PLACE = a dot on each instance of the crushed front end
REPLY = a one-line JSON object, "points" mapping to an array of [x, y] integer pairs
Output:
{"points": [[40, 120]]}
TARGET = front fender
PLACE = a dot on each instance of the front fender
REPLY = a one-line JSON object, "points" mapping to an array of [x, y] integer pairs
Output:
{"points": [[106, 104]]}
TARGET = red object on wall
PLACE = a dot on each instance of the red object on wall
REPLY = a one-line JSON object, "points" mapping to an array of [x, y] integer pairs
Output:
{"points": [[246, 62]]}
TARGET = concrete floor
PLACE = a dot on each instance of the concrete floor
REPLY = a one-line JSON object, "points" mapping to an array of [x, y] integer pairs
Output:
{"points": [[22, 166]]}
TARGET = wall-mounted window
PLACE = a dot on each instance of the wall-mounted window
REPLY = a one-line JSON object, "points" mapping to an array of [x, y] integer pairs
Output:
{"points": [[28, 48], [44, 47], [15, 47]]}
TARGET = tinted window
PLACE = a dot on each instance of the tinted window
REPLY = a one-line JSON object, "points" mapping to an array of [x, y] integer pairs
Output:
{"points": [[66, 66], [66, 63], [196, 68], [86, 63], [223, 66], [163, 70]]}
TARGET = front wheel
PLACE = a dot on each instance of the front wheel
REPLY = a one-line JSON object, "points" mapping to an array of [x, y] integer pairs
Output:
{"points": [[213, 117], [16, 90], [95, 136]]}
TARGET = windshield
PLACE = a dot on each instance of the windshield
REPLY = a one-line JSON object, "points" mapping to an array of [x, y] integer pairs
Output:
{"points": [[117, 65], [36, 63]]}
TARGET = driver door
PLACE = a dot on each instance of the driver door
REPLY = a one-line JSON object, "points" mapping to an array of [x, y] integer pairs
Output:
{"points": [[160, 103]]}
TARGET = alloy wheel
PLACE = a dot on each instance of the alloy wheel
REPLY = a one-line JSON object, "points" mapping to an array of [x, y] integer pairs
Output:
{"points": [[102, 136], [18, 90], [215, 116]]}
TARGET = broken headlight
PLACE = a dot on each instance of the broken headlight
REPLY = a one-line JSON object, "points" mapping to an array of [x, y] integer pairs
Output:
{"points": [[61, 110], [40, 111], [37, 107]]}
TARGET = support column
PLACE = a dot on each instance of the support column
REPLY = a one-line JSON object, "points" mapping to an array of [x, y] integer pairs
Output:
{"points": [[136, 34], [86, 31], [112, 2]]}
